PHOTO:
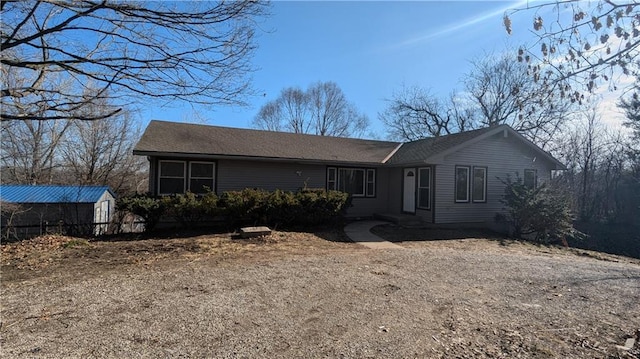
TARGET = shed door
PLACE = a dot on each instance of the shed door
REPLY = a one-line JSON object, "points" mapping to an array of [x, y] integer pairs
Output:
{"points": [[102, 217], [105, 211], [409, 189]]}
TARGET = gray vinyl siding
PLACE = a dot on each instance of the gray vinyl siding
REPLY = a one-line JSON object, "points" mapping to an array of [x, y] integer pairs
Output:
{"points": [[238, 175], [367, 206], [501, 156], [394, 191], [153, 178], [427, 214]]}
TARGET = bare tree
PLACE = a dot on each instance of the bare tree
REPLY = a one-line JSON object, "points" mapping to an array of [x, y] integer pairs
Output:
{"points": [[29, 150], [294, 104], [100, 152], [581, 42], [631, 107], [97, 152], [197, 51], [588, 151], [289, 112], [332, 114], [504, 92], [322, 109], [597, 165], [414, 113], [497, 91], [270, 117]]}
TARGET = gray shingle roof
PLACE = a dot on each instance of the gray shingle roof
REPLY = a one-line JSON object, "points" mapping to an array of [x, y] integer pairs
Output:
{"points": [[419, 150], [177, 139], [162, 137]]}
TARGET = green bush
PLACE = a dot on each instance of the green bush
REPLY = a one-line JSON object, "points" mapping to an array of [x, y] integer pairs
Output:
{"points": [[538, 213], [149, 208], [189, 209], [249, 206], [210, 204], [283, 208], [246, 206], [320, 206]]}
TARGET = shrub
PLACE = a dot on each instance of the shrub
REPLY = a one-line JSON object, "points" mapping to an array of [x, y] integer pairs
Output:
{"points": [[320, 206], [540, 213], [249, 206], [149, 208], [189, 209], [246, 206], [283, 208]]}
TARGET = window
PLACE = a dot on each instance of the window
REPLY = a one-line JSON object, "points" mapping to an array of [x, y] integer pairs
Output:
{"points": [[462, 184], [351, 180], [530, 178], [201, 176], [358, 182], [371, 182], [424, 188], [331, 179], [479, 191], [172, 177]]}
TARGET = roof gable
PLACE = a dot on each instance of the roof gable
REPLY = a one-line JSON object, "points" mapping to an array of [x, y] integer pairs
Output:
{"points": [[52, 193], [419, 150], [434, 149], [173, 138]]}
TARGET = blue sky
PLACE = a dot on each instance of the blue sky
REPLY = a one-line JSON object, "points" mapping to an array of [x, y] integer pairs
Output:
{"points": [[370, 49]]}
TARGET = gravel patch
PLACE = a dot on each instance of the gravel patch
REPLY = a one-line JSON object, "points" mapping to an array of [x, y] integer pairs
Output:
{"points": [[455, 298]]}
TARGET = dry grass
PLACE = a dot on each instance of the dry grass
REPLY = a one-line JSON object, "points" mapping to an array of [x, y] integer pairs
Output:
{"points": [[313, 295]]}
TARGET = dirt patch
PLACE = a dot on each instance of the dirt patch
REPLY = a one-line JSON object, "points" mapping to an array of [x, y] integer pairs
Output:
{"points": [[306, 295], [61, 255]]}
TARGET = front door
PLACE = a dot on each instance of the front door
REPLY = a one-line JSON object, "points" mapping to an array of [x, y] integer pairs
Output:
{"points": [[409, 188]]}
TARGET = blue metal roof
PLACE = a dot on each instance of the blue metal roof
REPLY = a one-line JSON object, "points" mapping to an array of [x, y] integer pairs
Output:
{"points": [[51, 193]]}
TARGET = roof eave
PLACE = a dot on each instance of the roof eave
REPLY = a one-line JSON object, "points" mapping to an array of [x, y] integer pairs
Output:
{"points": [[439, 158], [253, 158]]}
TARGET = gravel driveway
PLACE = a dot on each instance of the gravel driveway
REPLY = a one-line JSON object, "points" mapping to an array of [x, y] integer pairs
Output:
{"points": [[457, 298]]}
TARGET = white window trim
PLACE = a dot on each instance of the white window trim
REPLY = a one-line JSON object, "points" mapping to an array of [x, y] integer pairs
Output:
{"points": [[484, 186], [420, 187], [212, 178], [334, 185], [455, 184], [367, 182], [184, 175]]}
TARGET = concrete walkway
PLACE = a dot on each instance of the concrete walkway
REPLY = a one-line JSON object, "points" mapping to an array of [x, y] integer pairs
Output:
{"points": [[360, 232]]}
